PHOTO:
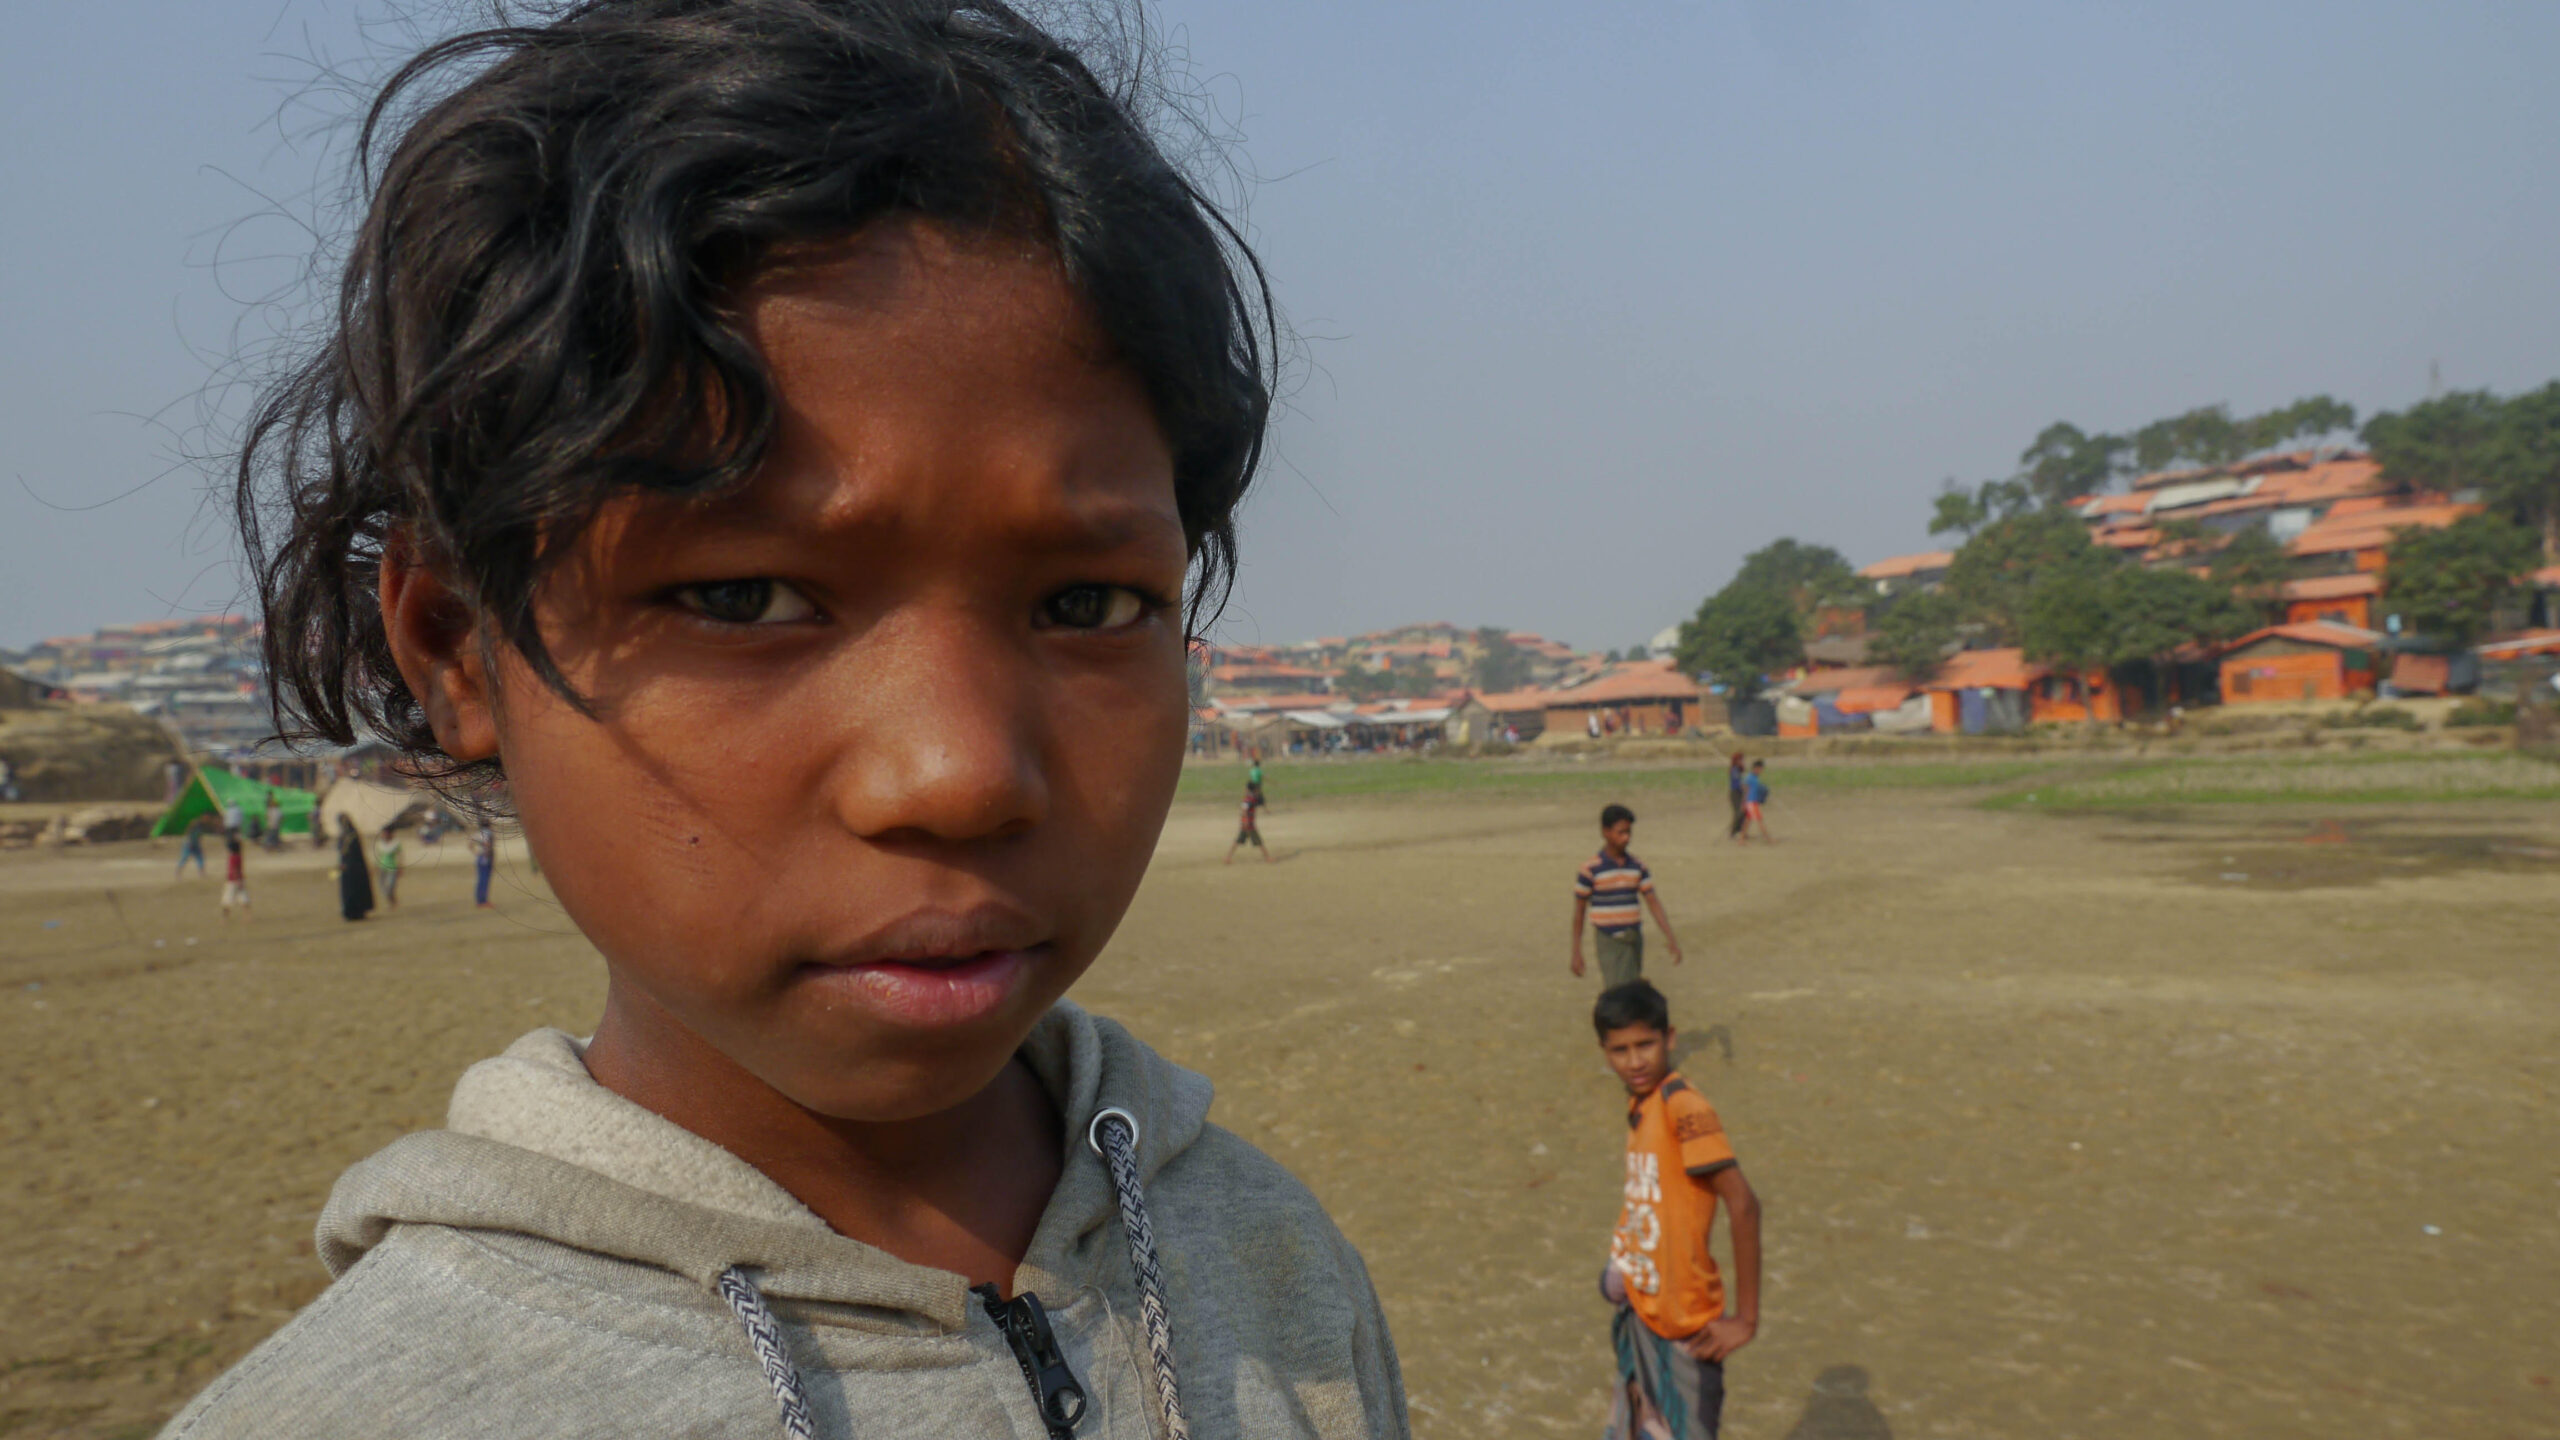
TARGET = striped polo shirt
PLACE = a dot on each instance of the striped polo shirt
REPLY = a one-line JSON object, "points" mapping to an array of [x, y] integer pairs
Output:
{"points": [[1612, 887]]}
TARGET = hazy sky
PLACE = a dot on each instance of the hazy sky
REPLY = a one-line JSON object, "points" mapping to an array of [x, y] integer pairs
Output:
{"points": [[1597, 297]]}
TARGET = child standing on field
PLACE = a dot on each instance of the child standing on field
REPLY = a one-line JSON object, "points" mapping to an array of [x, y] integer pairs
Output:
{"points": [[191, 847], [1755, 802], [1672, 1332], [235, 877], [1608, 890], [781, 452], [484, 862], [386, 858]]}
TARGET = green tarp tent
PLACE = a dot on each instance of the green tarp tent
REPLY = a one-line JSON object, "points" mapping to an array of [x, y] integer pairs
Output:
{"points": [[212, 787]]}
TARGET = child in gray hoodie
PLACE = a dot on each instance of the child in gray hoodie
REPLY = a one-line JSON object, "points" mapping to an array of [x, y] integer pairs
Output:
{"points": [[779, 449]]}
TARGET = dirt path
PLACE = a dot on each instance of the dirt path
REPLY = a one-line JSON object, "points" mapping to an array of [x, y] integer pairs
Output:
{"points": [[2062, 1132]]}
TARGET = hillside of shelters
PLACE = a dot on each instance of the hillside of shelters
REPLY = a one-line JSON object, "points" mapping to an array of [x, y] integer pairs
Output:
{"points": [[2331, 632]]}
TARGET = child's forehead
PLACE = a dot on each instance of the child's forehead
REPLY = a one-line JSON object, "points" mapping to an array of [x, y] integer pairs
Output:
{"points": [[930, 386], [1625, 1034]]}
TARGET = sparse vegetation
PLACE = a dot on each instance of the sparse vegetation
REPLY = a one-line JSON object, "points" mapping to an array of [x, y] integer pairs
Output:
{"points": [[2481, 710], [2267, 779], [2373, 717]]}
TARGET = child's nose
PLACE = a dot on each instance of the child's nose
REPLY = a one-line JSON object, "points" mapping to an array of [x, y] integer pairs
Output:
{"points": [[946, 736]]}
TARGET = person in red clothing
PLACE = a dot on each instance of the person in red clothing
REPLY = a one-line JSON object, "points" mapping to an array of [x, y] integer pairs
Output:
{"points": [[1248, 823], [235, 877], [1672, 1331]]}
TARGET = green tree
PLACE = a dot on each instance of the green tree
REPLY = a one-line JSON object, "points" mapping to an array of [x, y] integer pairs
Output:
{"points": [[2306, 419], [1962, 511], [2096, 618], [2252, 570], [2066, 463], [1915, 632], [2063, 621], [1499, 664], [1739, 635], [2206, 435], [2508, 450], [1992, 575], [2447, 583], [1809, 576], [2153, 612], [2209, 436], [1957, 512], [2442, 444], [2524, 471]]}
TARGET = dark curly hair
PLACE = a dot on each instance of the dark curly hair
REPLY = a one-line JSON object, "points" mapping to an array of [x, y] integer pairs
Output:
{"points": [[1634, 1003], [532, 314]]}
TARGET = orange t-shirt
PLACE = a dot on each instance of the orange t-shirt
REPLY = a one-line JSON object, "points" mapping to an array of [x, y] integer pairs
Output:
{"points": [[1674, 1144]]}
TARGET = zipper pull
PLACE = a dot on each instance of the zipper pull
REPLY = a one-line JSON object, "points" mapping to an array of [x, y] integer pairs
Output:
{"points": [[1054, 1389]]}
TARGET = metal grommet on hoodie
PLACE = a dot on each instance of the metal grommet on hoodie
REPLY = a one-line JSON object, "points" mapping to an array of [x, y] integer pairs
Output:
{"points": [[1093, 1132], [1120, 1157]]}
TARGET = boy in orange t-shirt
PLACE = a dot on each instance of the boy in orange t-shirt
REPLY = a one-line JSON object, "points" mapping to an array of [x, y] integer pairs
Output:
{"points": [[1672, 1332]]}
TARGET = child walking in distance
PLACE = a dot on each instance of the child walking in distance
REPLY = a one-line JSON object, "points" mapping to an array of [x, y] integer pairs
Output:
{"points": [[235, 877], [1249, 825], [1607, 891], [776, 438], [1755, 802], [1672, 1332], [484, 862], [191, 847], [386, 859]]}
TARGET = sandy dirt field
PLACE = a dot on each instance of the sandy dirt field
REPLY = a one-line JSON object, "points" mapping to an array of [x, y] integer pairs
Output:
{"points": [[2226, 1121]]}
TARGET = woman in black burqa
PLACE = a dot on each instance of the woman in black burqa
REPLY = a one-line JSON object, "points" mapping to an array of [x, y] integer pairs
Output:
{"points": [[355, 882]]}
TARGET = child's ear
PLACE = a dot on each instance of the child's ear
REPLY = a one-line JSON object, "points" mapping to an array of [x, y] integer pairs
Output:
{"points": [[435, 640]]}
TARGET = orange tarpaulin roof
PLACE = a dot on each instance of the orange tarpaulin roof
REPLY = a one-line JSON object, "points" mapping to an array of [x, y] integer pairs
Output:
{"points": [[2532, 642], [2333, 587], [2313, 632], [2372, 529], [1897, 566], [1867, 699], [1827, 682], [2005, 669]]}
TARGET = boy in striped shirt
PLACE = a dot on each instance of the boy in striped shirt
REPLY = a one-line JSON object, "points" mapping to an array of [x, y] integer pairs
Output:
{"points": [[1612, 890]]}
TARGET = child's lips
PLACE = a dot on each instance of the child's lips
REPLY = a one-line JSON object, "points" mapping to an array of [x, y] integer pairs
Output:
{"points": [[931, 991]]}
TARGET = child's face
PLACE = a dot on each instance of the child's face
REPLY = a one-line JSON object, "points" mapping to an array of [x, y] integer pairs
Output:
{"points": [[1641, 1056], [882, 744], [1616, 836]]}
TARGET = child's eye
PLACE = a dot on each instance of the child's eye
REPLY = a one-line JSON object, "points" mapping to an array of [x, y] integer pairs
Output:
{"points": [[1095, 607], [746, 602]]}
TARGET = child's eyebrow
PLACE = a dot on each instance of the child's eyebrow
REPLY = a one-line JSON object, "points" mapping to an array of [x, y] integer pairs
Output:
{"points": [[1109, 525], [1092, 522]]}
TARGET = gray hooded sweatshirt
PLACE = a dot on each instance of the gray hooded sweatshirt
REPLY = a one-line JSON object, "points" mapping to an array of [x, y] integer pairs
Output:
{"points": [[559, 1262]]}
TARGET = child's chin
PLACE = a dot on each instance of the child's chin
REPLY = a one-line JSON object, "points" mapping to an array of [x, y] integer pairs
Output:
{"points": [[892, 1093]]}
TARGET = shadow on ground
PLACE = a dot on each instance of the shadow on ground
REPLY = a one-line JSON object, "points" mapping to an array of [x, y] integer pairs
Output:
{"points": [[1838, 1409]]}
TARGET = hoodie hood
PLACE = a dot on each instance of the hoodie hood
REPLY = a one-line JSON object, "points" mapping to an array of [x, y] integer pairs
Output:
{"points": [[534, 1146], [561, 1263]]}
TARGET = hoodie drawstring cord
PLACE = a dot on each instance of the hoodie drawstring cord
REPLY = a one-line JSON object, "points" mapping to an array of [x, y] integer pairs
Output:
{"points": [[765, 1338], [1114, 1135]]}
